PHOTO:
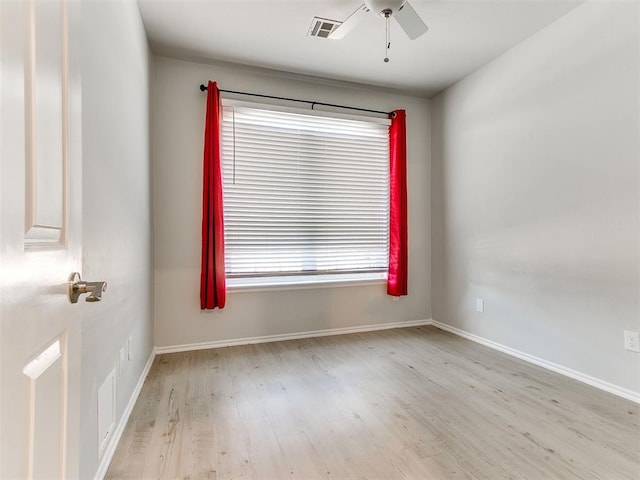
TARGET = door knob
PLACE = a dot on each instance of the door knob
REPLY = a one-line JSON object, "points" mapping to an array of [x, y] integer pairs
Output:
{"points": [[77, 287]]}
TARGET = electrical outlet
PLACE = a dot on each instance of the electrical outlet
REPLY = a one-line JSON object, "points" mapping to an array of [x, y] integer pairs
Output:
{"points": [[632, 341], [479, 305]]}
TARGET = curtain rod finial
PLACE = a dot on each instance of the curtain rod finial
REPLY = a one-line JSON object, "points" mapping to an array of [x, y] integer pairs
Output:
{"points": [[202, 87]]}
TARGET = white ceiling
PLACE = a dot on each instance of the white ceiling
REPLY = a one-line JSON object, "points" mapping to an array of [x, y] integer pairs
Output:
{"points": [[462, 36]]}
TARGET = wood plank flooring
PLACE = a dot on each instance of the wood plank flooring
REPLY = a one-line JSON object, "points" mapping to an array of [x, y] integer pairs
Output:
{"points": [[412, 403]]}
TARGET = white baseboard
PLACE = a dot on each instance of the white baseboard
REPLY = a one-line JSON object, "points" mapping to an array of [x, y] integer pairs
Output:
{"points": [[110, 449], [289, 336], [554, 367]]}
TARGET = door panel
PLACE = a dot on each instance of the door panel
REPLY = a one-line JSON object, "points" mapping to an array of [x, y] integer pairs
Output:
{"points": [[46, 119], [40, 242], [47, 399]]}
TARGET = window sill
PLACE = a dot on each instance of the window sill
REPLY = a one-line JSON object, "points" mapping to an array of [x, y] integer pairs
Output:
{"points": [[298, 282]]}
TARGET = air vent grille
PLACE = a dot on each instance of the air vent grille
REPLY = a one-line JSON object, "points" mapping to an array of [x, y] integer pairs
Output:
{"points": [[322, 27]]}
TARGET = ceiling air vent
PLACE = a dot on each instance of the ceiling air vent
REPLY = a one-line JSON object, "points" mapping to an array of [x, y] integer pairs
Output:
{"points": [[322, 27]]}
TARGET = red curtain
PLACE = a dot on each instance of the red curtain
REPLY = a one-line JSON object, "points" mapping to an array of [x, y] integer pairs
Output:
{"points": [[398, 254], [213, 290]]}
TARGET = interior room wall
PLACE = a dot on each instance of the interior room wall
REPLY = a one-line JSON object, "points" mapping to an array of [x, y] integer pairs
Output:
{"points": [[177, 133], [116, 207], [535, 193]]}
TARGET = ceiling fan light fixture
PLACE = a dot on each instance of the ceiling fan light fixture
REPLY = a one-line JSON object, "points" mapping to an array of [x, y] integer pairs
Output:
{"points": [[379, 7]]}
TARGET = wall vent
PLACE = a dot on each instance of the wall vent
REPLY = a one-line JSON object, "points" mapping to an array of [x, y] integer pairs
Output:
{"points": [[322, 27]]}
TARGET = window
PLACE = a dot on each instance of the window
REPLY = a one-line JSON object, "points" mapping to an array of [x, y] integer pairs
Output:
{"points": [[304, 193]]}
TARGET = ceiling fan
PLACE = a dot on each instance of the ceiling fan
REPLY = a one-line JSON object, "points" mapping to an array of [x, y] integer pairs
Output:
{"points": [[401, 10]]}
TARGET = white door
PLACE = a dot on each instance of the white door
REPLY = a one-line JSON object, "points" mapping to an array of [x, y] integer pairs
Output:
{"points": [[40, 244]]}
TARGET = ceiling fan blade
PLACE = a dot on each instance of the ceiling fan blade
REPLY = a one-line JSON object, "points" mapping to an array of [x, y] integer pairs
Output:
{"points": [[410, 21], [349, 24]]}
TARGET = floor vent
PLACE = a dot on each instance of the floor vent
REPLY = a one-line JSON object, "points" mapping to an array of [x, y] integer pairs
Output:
{"points": [[322, 27]]}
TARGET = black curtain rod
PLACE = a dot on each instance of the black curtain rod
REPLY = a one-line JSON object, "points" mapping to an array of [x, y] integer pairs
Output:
{"points": [[204, 88]]}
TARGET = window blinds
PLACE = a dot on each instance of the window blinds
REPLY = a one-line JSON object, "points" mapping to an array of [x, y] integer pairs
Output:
{"points": [[304, 194]]}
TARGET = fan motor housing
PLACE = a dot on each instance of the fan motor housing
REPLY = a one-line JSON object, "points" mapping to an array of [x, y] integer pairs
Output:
{"points": [[380, 6]]}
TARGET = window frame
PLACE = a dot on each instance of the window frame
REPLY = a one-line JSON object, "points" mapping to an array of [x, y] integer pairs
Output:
{"points": [[304, 280]]}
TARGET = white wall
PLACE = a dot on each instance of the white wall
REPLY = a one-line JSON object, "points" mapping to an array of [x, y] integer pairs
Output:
{"points": [[116, 206], [177, 132], [535, 195]]}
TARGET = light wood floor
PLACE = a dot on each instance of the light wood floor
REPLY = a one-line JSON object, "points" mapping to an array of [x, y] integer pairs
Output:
{"points": [[413, 403]]}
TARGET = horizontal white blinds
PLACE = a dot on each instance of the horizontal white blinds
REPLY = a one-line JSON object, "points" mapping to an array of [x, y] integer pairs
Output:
{"points": [[303, 194]]}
